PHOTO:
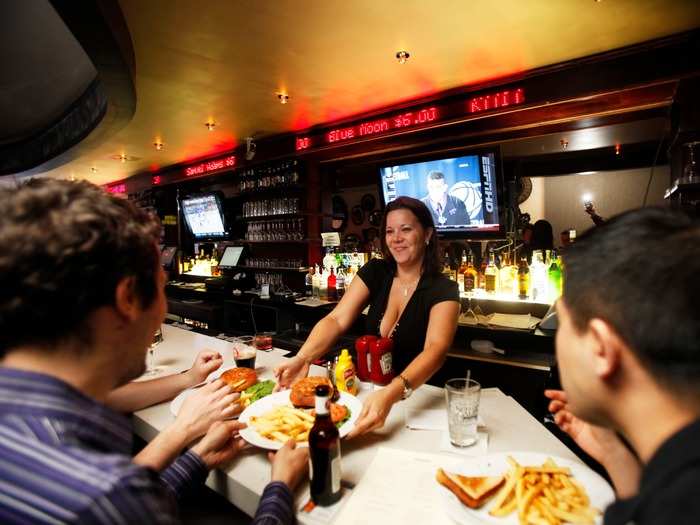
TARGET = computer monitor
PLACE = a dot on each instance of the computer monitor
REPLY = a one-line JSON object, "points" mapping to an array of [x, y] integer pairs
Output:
{"points": [[231, 256]]}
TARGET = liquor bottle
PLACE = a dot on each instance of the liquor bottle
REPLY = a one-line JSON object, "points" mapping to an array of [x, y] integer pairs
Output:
{"points": [[538, 277], [447, 270], [331, 289], [324, 452], [523, 279], [554, 278], [482, 273], [309, 283], [508, 277], [460, 272], [323, 285], [316, 282], [340, 282], [490, 274], [470, 275], [350, 275]]}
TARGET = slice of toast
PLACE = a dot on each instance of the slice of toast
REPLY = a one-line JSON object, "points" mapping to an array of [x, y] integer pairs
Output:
{"points": [[473, 491]]}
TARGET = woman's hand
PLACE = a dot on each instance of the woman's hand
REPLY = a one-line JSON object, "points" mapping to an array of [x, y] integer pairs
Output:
{"points": [[291, 371], [211, 403], [375, 409], [220, 444], [204, 364], [289, 464]]}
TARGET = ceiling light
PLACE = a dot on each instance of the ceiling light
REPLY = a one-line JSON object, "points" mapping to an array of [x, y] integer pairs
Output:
{"points": [[158, 144], [210, 125], [284, 98], [618, 149], [123, 157], [402, 56], [93, 169], [564, 143]]}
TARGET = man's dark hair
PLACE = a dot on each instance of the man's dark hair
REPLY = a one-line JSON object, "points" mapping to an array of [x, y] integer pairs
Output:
{"points": [[64, 246], [639, 272], [431, 257], [436, 175]]}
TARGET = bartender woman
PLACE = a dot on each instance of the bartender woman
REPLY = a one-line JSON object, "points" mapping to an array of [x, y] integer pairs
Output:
{"points": [[409, 301]]}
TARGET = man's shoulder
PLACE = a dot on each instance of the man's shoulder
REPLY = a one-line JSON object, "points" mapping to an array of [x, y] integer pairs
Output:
{"points": [[70, 482]]}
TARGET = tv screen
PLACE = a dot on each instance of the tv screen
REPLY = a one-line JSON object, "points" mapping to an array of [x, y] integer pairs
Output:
{"points": [[204, 216], [462, 193]]}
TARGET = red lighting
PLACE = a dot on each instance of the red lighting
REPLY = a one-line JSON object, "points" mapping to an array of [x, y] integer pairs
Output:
{"points": [[209, 166], [303, 143], [375, 127], [155, 180], [500, 99], [117, 188]]}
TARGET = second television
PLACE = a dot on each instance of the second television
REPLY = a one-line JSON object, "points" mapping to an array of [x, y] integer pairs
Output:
{"points": [[463, 193]]}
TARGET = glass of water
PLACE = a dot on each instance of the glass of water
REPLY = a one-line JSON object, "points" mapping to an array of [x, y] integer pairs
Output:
{"points": [[462, 398]]}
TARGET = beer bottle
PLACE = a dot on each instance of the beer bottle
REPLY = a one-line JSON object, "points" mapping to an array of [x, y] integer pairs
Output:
{"points": [[523, 279], [324, 449]]}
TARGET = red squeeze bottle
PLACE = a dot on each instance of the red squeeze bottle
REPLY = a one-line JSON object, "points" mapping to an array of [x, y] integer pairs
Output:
{"points": [[362, 346], [381, 369]]}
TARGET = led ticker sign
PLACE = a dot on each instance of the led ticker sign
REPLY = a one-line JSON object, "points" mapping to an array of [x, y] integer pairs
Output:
{"points": [[500, 99], [117, 188], [209, 166], [373, 127], [413, 119]]}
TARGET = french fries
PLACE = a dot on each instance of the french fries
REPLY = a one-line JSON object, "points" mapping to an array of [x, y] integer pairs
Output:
{"points": [[545, 495], [283, 423]]}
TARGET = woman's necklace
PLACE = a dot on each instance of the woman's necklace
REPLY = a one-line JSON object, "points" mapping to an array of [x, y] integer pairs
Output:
{"points": [[407, 286]]}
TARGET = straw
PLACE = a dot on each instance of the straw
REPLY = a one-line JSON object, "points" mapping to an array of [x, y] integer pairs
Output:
{"points": [[469, 374]]}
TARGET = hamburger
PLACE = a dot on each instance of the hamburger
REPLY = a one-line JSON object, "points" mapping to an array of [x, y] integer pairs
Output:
{"points": [[303, 392], [473, 491], [240, 378]]}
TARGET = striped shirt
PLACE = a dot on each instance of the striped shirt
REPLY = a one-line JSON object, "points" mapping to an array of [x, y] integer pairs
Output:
{"points": [[65, 458]]}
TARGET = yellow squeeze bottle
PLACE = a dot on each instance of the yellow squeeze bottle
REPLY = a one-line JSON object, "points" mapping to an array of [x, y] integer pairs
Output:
{"points": [[345, 379]]}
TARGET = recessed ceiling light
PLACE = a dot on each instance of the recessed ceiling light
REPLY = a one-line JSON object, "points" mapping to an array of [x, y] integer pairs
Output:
{"points": [[93, 169], [283, 97], [123, 157], [403, 56], [564, 143], [158, 144], [210, 125]]}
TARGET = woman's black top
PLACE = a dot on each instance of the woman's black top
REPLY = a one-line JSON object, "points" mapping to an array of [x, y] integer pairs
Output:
{"points": [[409, 332]]}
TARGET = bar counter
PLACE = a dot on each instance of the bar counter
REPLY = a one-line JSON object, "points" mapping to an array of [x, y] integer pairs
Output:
{"points": [[510, 427]]}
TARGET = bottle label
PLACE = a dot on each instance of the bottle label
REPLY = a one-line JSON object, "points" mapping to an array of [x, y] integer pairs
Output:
{"points": [[385, 363], [321, 406], [468, 283]]}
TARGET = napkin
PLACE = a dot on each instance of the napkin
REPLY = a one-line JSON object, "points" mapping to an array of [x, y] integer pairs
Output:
{"points": [[480, 448], [429, 419]]}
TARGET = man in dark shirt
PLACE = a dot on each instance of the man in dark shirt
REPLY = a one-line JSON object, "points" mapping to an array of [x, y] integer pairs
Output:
{"points": [[81, 296], [628, 348], [445, 209]]}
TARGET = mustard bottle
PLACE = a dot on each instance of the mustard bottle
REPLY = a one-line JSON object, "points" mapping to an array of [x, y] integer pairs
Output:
{"points": [[345, 379]]}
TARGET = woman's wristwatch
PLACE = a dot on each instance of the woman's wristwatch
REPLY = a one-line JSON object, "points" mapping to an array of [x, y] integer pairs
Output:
{"points": [[407, 389]]}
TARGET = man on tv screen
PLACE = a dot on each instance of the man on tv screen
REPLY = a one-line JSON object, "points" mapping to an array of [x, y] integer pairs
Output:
{"points": [[446, 209]]}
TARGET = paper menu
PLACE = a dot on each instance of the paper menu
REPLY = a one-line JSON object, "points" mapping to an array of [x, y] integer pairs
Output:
{"points": [[398, 487]]}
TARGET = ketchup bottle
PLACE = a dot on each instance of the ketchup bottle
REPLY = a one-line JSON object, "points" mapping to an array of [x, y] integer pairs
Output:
{"points": [[362, 347], [381, 368]]}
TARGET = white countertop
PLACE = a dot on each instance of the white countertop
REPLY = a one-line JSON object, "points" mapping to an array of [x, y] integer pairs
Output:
{"points": [[509, 425]]}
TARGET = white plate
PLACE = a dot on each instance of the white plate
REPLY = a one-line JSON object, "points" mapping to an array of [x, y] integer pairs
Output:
{"points": [[266, 404], [599, 492], [176, 403]]}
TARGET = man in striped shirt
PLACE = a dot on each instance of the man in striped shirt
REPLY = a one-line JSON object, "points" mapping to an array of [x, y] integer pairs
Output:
{"points": [[81, 295]]}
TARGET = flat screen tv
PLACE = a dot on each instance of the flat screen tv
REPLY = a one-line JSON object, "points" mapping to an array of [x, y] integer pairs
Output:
{"points": [[204, 215], [463, 193]]}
